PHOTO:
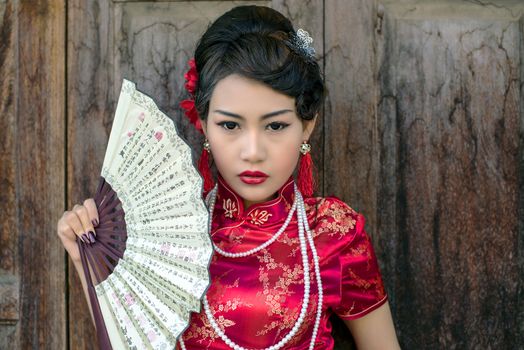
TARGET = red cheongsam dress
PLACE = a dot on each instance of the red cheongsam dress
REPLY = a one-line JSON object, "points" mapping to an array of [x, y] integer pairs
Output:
{"points": [[256, 299]]}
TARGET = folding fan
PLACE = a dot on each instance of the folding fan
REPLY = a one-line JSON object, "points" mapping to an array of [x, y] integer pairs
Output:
{"points": [[150, 262]]}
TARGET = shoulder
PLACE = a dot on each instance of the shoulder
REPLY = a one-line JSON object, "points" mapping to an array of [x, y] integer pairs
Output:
{"points": [[332, 217]]}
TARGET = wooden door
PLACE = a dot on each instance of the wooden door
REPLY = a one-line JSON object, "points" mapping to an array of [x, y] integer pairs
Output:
{"points": [[449, 210], [422, 132], [33, 279]]}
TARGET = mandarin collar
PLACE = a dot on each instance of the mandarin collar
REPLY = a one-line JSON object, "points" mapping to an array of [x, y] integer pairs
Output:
{"points": [[229, 206]]}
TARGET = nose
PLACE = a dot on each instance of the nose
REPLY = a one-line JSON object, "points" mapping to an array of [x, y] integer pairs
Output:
{"points": [[253, 148]]}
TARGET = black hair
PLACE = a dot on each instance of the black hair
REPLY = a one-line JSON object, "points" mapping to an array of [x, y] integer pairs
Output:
{"points": [[251, 41]]}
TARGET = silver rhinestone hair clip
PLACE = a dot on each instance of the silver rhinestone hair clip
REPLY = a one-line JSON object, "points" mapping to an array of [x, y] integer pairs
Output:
{"points": [[301, 43]]}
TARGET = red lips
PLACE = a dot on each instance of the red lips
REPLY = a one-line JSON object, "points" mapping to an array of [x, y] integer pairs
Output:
{"points": [[253, 177]]}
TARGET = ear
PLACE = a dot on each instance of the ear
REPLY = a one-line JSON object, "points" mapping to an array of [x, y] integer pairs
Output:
{"points": [[308, 127]]}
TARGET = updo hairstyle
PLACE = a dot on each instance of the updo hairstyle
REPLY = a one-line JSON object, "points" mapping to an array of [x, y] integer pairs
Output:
{"points": [[249, 41]]}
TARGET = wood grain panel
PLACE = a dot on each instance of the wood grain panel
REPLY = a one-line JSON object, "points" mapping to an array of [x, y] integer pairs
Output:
{"points": [[449, 120], [38, 155], [349, 125], [9, 269], [350, 108], [519, 313], [90, 111]]}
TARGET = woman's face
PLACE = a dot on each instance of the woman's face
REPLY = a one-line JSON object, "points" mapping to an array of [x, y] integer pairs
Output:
{"points": [[253, 128]]}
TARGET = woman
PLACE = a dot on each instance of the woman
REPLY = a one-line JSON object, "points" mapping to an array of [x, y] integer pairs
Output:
{"points": [[257, 90]]}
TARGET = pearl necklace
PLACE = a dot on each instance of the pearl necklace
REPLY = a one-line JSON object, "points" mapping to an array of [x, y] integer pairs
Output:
{"points": [[303, 225], [260, 247]]}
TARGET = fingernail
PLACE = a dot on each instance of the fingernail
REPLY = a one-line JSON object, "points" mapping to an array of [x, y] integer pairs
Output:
{"points": [[85, 238], [91, 236], [94, 222]]}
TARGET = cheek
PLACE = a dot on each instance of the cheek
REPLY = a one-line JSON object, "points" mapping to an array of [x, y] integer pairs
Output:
{"points": [[286, 155], [223, 151], [219, 148]]}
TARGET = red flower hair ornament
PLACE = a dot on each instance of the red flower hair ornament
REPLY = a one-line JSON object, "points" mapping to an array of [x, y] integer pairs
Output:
{"points": [[188, 105]]}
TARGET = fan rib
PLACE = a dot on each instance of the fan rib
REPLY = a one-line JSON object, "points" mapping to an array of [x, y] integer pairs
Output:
{"points": [[116, 242], [101, 330], [114, 254], [94, 264], [108, 266]]}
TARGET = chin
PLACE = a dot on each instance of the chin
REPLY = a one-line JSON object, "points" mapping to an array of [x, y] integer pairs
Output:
{"points": [[254, 195], [250, 195]]}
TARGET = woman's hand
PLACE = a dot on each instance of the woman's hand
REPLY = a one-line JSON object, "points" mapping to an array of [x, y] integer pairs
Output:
{"points": [[79, 222]]}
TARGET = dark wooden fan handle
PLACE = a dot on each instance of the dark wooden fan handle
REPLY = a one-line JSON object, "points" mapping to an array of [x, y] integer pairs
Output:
{"points": [[102, 256]]}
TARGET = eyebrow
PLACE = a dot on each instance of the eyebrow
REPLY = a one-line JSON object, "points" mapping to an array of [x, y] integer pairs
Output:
{"points": [[265, 116]]}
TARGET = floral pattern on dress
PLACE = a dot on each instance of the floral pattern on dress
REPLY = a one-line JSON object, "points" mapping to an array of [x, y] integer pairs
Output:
{"points": [[258, 217], [257, 299], [230, 208]]}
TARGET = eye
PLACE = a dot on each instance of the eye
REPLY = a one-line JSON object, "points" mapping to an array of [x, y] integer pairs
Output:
{"points": [[276, 126], [228, 125]]}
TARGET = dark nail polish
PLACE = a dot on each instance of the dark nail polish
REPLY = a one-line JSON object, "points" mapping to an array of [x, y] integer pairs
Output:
{"points": [[85, 238], [91, 236], [94, 222]]}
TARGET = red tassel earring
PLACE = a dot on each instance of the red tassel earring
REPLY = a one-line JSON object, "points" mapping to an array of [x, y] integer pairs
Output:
{"points": [[305, 179], [203, 167]]}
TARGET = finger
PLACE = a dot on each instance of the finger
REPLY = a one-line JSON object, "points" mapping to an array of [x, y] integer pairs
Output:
{"points": [[92, 211], [71, 221], [68, 237], [65, 231], [87, 225]]}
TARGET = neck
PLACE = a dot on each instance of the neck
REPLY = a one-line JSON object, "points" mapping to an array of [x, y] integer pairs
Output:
{"points": [[248, 203]]}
